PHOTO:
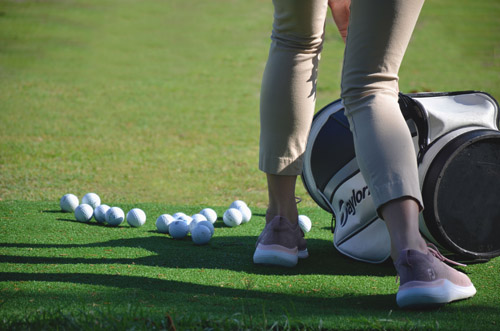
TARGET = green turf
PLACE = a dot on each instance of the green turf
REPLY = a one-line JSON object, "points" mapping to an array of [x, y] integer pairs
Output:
{"points": [[154, 104], [158, 100], [52, 262]]}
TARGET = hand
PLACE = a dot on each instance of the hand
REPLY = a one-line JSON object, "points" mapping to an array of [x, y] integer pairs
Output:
{"points": [[340, 12]]}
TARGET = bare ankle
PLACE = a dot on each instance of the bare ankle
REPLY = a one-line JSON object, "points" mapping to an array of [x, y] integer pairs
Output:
{"points": [[417, 244], [291, 215]]}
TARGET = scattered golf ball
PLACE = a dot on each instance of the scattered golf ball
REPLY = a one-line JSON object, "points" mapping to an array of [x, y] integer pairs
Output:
{"points": [[196, 218], [91, 199], [232, 217], [185, 218], [201, 235], [237, 204], [100, 213], [305, 223], [83, 213], [178, 229], [115, 216], [178, 215], [136, 217], [208, 224], [210, 214], [69, 202], [246, 213], [163, 222]]}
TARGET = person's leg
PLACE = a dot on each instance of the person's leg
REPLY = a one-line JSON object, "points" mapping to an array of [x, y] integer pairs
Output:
{"points": [[288, 96], [401, 218], [379, 32], [281, 190]]}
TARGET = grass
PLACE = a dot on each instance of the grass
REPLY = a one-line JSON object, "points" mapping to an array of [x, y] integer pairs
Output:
{"points": [[154, 104], [54, 268]]}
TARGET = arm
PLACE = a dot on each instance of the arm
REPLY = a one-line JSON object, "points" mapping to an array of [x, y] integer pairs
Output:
{"points": [[340, 12]]}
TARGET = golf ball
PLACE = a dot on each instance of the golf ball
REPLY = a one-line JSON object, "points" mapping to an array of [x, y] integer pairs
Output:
{"points": [[115, 216], [91, 199], [201, 235], [196, 218], [185, 218], [136, 217], [83, 213], [237, 204], [232, 217], [69, 202], [178, 229], [100, 213], [246, 213], [208, 224], [210, 214], [178, 215], [305, 223], [163, 222]]}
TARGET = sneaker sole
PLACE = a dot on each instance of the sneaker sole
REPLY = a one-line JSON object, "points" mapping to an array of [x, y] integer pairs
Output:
{"points": [[303, 254], [276, 255], [428, 294]]}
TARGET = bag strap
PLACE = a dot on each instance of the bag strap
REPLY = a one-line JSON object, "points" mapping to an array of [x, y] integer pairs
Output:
{"points": [[412, 110]]}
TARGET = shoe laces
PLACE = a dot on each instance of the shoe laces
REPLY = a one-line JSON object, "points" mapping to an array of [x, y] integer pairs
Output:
{"points": [[434, 251]]}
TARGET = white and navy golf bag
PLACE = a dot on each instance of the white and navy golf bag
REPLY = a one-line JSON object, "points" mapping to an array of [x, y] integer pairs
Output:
{"points": [[457, 143]]}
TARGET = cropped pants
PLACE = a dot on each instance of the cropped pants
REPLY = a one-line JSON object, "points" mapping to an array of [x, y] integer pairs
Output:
{"points": [[378, 35]]}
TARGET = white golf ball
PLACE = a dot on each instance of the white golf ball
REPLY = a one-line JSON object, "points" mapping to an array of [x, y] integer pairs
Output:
{"points": [[246, 213], [136, 217], [83, 213], [178, 229], [198, 217], [100, 213], [210, 214], [195, 219], [115, 216], [237, 204], [91, 199], [232, 217], [185, 218], [208, 224], [69, 202], [305, 223], [201, 235], [163, 222], [178, 215]]}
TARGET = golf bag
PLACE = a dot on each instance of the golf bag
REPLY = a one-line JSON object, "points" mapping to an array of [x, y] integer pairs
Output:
{"points": [[457, 143]]}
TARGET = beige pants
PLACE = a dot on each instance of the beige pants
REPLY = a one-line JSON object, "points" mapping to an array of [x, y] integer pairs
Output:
{"points": [[379, 32]]}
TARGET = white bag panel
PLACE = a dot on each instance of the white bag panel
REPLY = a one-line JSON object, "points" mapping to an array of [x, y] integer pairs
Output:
{"points": [[372, 244], [450, 112]]}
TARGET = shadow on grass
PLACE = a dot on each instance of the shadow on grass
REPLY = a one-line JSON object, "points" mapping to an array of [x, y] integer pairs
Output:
{"points": [[211, 299], [227, 252], [179, 291]]}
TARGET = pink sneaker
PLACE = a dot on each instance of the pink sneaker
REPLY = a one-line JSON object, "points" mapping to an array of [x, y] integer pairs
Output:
{"points": [[426, 281], [280, 243]]}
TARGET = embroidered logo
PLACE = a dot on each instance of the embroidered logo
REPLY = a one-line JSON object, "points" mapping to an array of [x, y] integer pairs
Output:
{"points": [[431, 273], [349, 207]]}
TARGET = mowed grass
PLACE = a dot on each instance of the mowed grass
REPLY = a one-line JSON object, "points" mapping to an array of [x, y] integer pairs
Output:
{"points": [[158, 101], [154, 104], [56, 270]]}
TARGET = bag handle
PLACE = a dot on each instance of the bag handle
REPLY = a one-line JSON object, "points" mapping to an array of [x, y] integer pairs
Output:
{"points": [[412, 110]]}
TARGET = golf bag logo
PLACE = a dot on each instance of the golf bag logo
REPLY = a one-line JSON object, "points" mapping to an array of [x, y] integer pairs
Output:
{"points": [[349, 207]]}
